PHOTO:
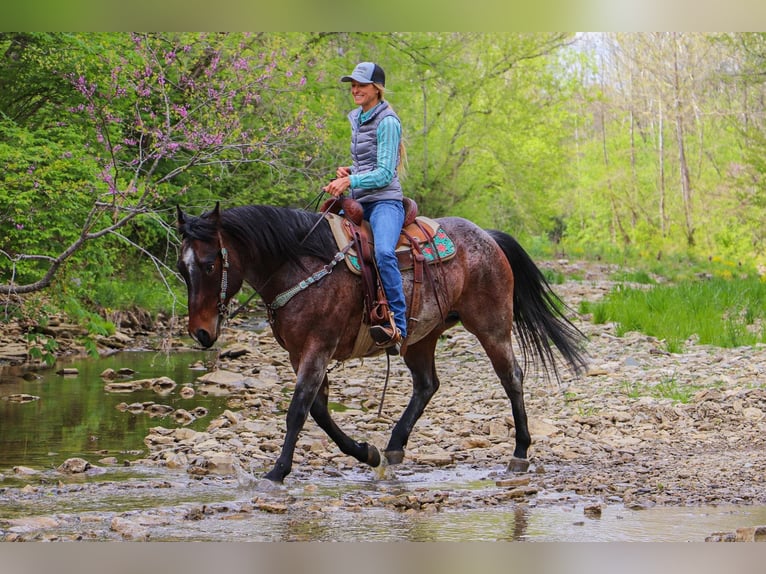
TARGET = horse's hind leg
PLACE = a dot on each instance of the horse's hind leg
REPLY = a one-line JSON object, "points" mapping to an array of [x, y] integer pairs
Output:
{"points": [[511, 376], [420, 360], [515, 391], [362, 452]]}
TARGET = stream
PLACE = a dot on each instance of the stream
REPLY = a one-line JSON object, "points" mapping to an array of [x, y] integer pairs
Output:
{"points": [[74, 416]]}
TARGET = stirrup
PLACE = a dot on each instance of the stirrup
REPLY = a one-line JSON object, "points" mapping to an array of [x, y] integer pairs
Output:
{"points": [[385, 336]]}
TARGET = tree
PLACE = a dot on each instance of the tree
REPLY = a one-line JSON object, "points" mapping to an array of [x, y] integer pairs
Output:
{"points": [[147, 111]]}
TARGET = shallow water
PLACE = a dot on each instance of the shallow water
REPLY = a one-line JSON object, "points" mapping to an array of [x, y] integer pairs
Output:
{"points": [[75, 416]]}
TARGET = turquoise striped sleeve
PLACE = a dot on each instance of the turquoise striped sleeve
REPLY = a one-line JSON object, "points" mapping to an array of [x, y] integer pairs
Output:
{"points": [[389, 136]]}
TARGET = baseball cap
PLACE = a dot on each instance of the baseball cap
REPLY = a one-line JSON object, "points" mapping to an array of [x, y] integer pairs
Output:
{"points": [[367, 73]]}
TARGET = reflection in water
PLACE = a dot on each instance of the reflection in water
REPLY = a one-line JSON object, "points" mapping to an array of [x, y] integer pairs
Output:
{"points": [[74, 416]]}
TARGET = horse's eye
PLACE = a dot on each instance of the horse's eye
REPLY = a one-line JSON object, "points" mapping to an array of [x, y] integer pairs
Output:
{"points": [[209, 268]]}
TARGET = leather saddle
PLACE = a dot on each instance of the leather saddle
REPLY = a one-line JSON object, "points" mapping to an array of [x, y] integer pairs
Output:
{"points": [[420, 235], [421, 242]]}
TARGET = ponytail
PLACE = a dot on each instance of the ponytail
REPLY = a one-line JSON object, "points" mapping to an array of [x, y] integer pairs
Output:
{"points": [[401, 166]]}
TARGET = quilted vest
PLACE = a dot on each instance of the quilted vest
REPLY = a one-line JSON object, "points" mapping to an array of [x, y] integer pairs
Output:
{"points": [[364, 153]]}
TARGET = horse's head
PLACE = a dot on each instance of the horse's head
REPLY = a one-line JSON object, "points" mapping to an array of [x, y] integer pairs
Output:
{"points": [[211, 271]]}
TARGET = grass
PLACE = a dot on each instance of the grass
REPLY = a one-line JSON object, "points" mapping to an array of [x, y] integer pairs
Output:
{"points": [[719, 311], [668, 388]]}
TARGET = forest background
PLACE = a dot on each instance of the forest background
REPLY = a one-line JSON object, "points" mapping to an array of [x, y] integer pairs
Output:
{"points": [[627, 147]]}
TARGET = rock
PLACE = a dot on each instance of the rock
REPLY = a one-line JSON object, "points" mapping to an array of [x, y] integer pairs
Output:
{"points": [[74, 465], [592, 511], [163, 385], [69, 371], [20, 398], [123, 387], [109, 374], [221, 463], [32, 523], [129, 529], [13, 352], [436, 459], [183, 417], [156, 410], [24, 471], [751, 534], [542, 427], [753, 413]]}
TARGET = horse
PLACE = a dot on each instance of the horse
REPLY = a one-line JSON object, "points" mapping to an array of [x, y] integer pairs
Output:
{"points": [[316, 310]]}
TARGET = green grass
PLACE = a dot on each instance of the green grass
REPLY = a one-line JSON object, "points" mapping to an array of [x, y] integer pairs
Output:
{"points": [[719, 311], [640, 276], [668, 388]]}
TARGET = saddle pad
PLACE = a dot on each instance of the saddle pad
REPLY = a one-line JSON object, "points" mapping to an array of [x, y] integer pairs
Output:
{"points": [[438, 248]]}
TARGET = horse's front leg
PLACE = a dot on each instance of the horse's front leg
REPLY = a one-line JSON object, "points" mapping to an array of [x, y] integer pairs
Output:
{"points": [[311, 372], [363, 452]]}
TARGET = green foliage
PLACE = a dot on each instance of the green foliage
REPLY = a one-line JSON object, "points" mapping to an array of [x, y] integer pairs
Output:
{"points": [[719, 311], [42, 348], [570, 143]]}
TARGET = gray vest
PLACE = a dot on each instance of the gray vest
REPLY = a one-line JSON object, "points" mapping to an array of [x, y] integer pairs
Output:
{"points": [[364, 153]]}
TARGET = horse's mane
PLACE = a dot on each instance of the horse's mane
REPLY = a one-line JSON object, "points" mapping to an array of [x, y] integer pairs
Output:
{"points": [[268, 231]]}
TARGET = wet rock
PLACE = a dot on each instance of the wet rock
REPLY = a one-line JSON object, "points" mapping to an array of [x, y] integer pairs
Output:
{"points": [[751, 534], [592, 511], [24, 471], [436, 459], [32, 523], [109, 374], [129, 529], [20, 398], [123, 387], [163, 385], [155, 410], [69, 371], [183, 417], [74, 465]]}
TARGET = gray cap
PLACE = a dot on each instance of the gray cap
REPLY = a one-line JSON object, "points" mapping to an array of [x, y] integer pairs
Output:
{"points": [[367, 73]]}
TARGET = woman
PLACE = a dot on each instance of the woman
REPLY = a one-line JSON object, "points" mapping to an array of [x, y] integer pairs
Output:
{"points": [[376, 151]]}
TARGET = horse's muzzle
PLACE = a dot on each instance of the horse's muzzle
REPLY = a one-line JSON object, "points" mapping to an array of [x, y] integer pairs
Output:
{"points": [[203, 338]]}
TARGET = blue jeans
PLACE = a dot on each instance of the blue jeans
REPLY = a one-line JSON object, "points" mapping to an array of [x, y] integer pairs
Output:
{"points": [[386, 219]]}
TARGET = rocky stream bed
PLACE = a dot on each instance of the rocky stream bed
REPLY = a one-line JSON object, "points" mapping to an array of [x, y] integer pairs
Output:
{"points": [[641, 428]]}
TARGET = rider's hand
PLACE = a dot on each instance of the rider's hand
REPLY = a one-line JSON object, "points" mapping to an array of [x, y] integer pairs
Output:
{"points": [[343, 171], [337, 186]]}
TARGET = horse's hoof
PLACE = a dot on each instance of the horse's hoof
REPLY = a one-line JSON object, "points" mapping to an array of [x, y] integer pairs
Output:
{"points": [[373, 456], [518, 465], [394, 456]]}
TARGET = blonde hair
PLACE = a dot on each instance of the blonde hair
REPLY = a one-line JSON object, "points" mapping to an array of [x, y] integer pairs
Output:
{"points": [[401, 167]]}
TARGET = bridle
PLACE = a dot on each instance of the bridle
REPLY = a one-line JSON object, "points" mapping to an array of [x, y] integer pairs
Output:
{"points": [[223, 308]]}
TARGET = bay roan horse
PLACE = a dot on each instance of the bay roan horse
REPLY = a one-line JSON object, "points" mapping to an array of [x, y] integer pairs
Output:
{"points": [[490, 285]]}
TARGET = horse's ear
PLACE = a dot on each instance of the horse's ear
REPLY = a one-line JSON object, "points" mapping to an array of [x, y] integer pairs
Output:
{"points": [[180, 217], [216, 211]]}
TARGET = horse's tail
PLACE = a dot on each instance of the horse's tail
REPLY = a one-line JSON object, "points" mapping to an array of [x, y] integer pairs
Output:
{"points": [[538, 313]]}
